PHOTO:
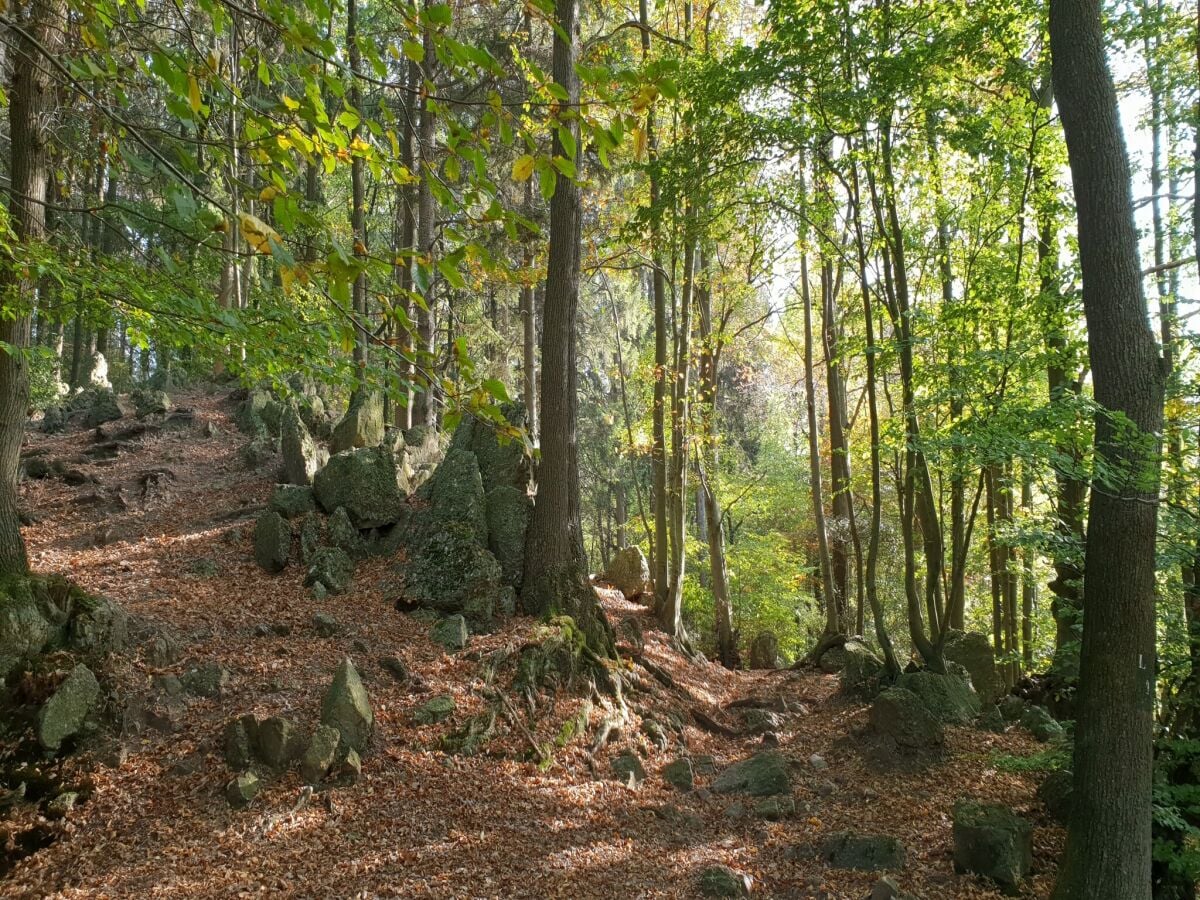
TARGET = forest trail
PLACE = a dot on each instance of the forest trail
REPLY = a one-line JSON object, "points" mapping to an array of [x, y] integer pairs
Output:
{"points": [[164, 528]]}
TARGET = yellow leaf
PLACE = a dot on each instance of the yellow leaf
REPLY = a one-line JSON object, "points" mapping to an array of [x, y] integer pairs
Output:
{"points": [[269, 193], [290, 103], [193, 94], [639, 143], [522, 168], [258, 234], [647, 95]]}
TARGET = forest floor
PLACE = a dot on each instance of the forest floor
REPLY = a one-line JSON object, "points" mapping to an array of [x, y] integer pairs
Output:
{"points": [[165, 530]]}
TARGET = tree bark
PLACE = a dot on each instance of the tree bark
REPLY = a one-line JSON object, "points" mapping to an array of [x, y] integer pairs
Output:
{"points": [[1108, 853], [31, 98], [556, 576]]}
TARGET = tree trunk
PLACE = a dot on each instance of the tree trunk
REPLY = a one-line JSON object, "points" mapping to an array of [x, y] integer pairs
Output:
{"points": [[358, 207], [31, 100], [671, 613], [814, 464], [1108, 851], [424, 410], [556, 576]]}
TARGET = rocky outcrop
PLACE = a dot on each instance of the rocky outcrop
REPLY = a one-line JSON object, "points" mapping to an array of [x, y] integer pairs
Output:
{"points": [[302, 458], [862, 671], [368, 483], [629, 573], [361, 426], [272, 541], [40, 614], [948, 697], [974, 653]]}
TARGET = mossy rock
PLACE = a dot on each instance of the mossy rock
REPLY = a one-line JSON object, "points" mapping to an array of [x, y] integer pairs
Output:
{"points": [[434, 710], [41, 614], [368, 483], [950, 697], [472, 737], [762, 775], [454, 574]]}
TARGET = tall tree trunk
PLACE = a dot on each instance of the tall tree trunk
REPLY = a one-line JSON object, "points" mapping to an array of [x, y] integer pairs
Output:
{"points": [[892, 666], [31, 101], [358, 200], [1108, 851], [556, 576], [814, 467], [714, 531], [671, 613], [424, 409]]}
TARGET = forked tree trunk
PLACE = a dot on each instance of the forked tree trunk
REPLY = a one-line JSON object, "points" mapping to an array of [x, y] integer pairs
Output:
{"points": [[1108, 853]]}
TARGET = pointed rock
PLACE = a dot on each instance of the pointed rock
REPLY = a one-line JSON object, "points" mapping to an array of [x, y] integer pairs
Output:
{"points": [[347, 708]]}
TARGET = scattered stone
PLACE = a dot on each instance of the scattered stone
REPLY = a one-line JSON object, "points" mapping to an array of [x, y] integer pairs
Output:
{"points": [[991, 719], [434, 710], [330, 568], [191, 764], [61, 806], [272, 541], [1041, 724], [826, 788], [899, 715], [362, 425], [395, 667], [239, 742], [347, 708], [992, 841], [656, 734], [775, 809], [322, 750], [149, 402], [862, 852], [242, 790], [973, 651], [318, 591], [100, 406], [679, 774], [326, 625], [722, 881], [1012, 708], [349, 769], [628, 769], [759, 721], [886, 888], [293, 500], [1056, 792], [704, 764], [276, 742], [369, 483], [208, 680], [948, 697], [451, 633], [203, 568], [629, 573], [64, 713], [762, 775], [817, 761], [302, 458]]}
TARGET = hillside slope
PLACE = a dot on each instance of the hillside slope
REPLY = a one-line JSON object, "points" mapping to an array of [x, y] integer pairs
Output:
{"points": [[164, 528]]}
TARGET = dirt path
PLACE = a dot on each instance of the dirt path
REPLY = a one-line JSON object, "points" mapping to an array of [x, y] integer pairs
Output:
{"points": [[174, 548]]}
